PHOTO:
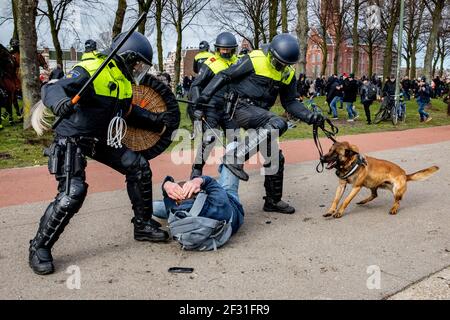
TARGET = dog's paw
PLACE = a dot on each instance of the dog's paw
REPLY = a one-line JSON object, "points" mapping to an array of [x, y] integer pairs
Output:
{"points": [[329, 213], [338, 215], [393, 212]]}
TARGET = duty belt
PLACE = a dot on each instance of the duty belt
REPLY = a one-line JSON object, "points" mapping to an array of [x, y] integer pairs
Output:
{"points": [[248, 101]]}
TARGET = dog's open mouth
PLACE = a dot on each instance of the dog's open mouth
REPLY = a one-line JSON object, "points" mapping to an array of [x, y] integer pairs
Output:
{"points": [[331, 164]]}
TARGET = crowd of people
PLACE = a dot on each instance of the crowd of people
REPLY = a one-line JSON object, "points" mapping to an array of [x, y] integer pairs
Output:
{"points": [[344, 89]]}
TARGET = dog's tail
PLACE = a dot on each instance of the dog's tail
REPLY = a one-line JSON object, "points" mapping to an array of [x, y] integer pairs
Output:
{"points": [[422, 174]]}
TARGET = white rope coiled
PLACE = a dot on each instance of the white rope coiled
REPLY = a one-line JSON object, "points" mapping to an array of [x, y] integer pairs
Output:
{"points": [[117, 130]]}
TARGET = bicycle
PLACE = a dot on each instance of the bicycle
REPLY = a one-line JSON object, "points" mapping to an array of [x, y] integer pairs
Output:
{"points": [[312, 106], [390, 110]]}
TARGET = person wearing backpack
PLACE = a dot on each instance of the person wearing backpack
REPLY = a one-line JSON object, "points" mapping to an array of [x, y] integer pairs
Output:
{"points": [[202, 213], [368, 95]]}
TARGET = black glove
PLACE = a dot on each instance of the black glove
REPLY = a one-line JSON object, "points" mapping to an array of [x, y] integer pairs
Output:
{"points": [[64, 108], [169, 120], [144, 119], [316, 119]]}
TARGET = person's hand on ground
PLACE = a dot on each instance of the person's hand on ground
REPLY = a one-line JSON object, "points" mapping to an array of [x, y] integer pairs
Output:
{"points": [[174, 191]]}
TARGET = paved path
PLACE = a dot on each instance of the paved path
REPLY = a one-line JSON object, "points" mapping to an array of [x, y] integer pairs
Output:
{"points": [[28, 185], [273, 256]]}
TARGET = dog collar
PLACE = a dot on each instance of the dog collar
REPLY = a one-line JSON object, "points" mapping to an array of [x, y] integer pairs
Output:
{"points": [[360, 161]]}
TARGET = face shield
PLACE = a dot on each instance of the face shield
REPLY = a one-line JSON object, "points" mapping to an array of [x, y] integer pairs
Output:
{"points": [[139, 70], [277, 64]]}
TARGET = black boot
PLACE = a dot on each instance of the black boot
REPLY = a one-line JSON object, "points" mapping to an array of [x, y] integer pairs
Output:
{"points": [[236, 155], [274, 190], [148, 230], [40, 260], [52, 224], [271, 205], [139, 187]]}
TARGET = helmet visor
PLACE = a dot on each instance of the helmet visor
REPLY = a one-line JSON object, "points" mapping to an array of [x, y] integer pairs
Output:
{"points": [[277, 64], [140, 69]]}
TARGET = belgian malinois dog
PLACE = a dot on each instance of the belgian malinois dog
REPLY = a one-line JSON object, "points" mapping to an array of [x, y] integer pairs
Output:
{"points": [[364, 171]]}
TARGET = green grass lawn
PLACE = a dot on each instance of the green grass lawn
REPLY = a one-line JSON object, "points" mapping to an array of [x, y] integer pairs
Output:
{"points": [[19, 148]]}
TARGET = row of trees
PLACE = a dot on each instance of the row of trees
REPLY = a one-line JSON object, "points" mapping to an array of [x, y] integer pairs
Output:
{"points": [[427, 26]]}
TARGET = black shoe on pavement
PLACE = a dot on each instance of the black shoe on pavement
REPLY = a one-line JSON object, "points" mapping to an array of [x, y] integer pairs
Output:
{"points": [[148, 230], [282, 207]]}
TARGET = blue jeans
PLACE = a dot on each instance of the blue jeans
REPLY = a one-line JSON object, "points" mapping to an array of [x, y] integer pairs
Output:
{"points": [[351, 113], [333, 106], [227, 180], [422, 113]]}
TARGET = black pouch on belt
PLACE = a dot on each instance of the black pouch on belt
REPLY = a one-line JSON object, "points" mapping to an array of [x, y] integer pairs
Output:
{"points": [[53, 153]]}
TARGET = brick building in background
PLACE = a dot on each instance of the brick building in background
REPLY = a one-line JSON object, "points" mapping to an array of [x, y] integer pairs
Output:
{"points": [[329, 11], [314, 57]]}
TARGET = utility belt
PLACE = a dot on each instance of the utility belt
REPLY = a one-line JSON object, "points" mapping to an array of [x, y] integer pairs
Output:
{"points": [[66, 156], [233, 102]]}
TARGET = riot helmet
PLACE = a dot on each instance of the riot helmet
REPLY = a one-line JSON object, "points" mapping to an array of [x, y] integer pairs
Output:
{"points": [[283, 50], [226, 45], [90, 45], [203, 46], [136, 54]]}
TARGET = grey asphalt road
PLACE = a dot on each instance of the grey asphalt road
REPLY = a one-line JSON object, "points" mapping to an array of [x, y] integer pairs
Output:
{"points": [[273, 256]]}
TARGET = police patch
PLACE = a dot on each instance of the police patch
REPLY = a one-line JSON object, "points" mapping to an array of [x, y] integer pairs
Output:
{"points": [[72, 74]]}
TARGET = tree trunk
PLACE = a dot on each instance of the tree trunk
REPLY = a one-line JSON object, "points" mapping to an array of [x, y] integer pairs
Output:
{"points": [[387, 56], [14, 11], [337, 51], [284, 17], [144, 6], [323, 68], [413, 71], [54, 32], [436, 59], [120, 16], [302, 32], [355, 37], [273, 15], [370, 54], [178, 53], [432, 39], [29, 69], [158, 17], [441, 69], [408, 64]]}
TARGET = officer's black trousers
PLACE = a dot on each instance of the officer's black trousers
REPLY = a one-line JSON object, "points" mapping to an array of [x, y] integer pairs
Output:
{"points": [[60, 211], [253, 117], [215, 119]]}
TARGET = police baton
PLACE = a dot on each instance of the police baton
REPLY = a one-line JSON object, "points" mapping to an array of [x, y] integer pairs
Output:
{"points": [[77, 97], [199, 104]]}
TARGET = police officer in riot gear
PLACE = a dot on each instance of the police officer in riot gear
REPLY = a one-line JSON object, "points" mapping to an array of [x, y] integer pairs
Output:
{"points": [[225, 56], [90, 49], [259, 78], [202, 55], [83, 132]]}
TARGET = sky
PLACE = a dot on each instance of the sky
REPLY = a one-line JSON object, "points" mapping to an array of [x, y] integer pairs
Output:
{"points": [[88, 23]]}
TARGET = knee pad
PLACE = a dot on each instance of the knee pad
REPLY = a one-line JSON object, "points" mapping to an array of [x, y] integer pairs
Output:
{"points": [[277, 123], [74, 200]]}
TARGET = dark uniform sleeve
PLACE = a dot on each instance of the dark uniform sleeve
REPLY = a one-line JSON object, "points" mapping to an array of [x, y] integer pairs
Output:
{"points": [[200, 82], [53, 93], [195, 66], [289, 102], [239, 70]]}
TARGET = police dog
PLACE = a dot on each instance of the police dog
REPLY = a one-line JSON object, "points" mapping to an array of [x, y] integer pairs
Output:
{"points": [[363, 171]]}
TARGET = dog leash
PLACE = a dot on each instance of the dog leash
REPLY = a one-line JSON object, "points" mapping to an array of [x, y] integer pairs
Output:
{"points": [[330, 134]]}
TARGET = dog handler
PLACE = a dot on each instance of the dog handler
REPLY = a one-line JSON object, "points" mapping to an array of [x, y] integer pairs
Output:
{"points": [[258, 78]]}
